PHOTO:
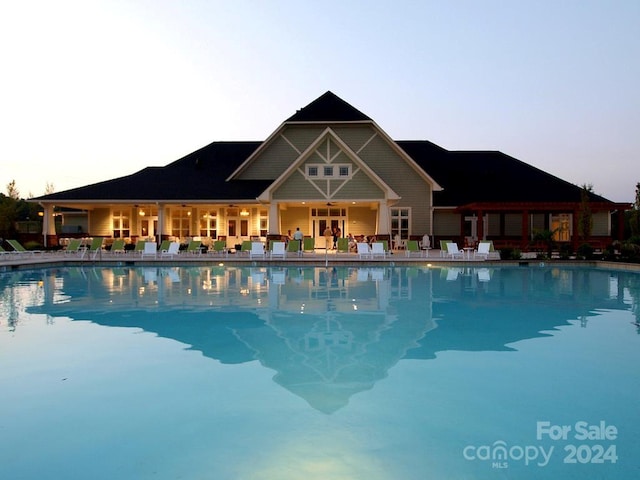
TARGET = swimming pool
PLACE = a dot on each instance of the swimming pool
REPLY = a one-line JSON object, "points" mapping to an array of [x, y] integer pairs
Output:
{"points": [[213, 372]]}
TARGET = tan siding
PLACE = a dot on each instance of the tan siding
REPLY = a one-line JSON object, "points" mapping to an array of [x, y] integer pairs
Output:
{"points": [[272, 162], [292, 218], [494, 224], [512, 224], [302, 136], [354, 137], [100, 222], [362, 221], [601, 224], [404, 180], [446, 223], [538, 222]]}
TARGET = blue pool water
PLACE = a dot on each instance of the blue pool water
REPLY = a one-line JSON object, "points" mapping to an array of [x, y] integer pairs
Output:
{"points": [[286, 373]]}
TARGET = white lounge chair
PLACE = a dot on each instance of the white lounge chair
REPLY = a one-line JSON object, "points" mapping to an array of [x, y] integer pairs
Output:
{"points": [[174, 249], [377, 250], [364, 251], [482, 250], [453, 251], [277, 250], [149, 250], [257, 250]]}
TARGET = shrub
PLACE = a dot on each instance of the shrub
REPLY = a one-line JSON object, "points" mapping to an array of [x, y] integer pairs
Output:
{"points": [[585, 251]]}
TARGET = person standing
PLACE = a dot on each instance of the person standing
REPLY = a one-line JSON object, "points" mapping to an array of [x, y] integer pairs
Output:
{"points": [[298, 235], [336, 235], [327, 237]]}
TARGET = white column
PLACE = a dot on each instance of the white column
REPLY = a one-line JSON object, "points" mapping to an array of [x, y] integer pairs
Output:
{"points": [[384, 225], [274, 219], [161, 223], [48, 222]]}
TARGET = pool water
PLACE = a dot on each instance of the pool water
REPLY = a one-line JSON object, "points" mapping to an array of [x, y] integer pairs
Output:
{"points": [[399, 373]]}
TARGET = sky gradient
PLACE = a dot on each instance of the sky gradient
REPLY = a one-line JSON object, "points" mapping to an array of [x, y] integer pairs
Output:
{"points": [[94, 90]]}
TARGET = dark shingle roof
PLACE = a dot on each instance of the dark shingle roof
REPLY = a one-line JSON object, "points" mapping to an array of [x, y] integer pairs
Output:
{"points": [[198, 176], [488, 176], [328, 108]]}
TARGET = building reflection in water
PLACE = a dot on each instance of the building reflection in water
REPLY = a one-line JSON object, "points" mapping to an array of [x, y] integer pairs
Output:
{"points": [[328, 333]]}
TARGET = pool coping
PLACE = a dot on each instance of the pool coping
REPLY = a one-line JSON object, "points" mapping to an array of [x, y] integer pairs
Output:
{"points": [[22, 261]]}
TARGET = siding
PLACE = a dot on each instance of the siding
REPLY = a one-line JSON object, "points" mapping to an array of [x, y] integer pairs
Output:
{"points": [[100, 222], [601, 224], [361, 221], [446, 223], [512, 224], [272, 162], [404, 180]]}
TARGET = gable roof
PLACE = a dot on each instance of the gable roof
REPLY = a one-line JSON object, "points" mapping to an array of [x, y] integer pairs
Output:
{"points": [[199, 176], [328, 108], [489, 177]]}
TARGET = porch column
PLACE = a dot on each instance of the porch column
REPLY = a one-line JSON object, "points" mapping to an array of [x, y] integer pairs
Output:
{"points": [[575, 235], [274, 218], [480, 226], [161, 223], [525, 229], [48, 223], [383, 218]]}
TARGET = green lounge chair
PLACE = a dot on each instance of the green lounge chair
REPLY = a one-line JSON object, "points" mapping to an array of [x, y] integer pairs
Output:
{"points": [[309, 244], [194, 247], [219, 248], [18, 248], [294, 247], [343, 245], [73, 247], [94, 248], [412, 247], [245, 247], [117, 246], [139, 248]]}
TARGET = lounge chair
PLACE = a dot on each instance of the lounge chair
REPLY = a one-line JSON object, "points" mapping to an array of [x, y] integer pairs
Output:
{"points": [[94, 248], [453, 251], [73, 247], [149, 250], [412, 247], [294, 247], [443, 247], [482, 250], [139, 248], [219, 248], [164, 245], [364, 251], [245, 247], [117, 246], [18, 248], [377, 250], [174, 249], [194, 247], [343, 245], [309, 244], [257, 250], [277, 250]]}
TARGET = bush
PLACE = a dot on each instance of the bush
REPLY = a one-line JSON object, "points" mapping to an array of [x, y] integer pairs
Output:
{"points": [[510, 253], [32, 245], [585, 251]]}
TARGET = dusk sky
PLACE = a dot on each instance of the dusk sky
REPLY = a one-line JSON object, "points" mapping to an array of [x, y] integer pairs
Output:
{"points": [[93, 90]]}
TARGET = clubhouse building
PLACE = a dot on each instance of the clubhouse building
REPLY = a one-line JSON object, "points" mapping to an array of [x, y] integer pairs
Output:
{"points": [[331, 165]]}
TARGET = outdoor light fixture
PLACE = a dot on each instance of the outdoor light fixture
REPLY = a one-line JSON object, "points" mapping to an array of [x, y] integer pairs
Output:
{"points": [[244, 212]]}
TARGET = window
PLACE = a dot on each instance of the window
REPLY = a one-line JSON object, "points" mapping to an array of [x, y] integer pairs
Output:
{"points": [[208, 223], [328, 171], [121, 225], [180, 221], [560, 225], [264, 223], [400, 222]]}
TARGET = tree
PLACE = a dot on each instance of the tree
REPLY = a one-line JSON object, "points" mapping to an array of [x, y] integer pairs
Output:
{"points": [[585, 218], [12, 190], [49, 188], [634, 217]]}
